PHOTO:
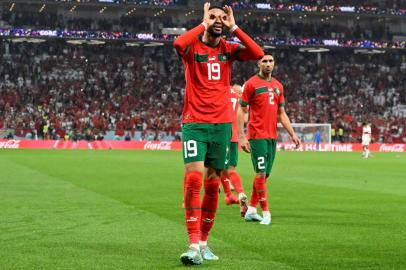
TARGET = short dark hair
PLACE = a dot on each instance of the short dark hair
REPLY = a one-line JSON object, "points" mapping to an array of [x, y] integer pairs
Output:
{"points": [[215, 6]]}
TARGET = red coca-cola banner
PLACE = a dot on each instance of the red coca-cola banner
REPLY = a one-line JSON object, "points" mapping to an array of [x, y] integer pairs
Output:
{"points": [[169, 145]]}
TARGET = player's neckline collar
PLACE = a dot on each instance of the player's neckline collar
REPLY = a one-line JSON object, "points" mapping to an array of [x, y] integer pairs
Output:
{"points": [[263, 78], [208, 44]]}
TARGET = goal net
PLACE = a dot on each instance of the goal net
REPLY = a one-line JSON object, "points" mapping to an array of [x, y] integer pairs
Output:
{"points": [[306, 132]]}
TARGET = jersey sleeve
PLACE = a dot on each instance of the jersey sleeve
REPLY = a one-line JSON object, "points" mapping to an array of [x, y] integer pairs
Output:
{"points": [[246, 95], [250, 50], [185, 41], [235, 49], [282, 97]]}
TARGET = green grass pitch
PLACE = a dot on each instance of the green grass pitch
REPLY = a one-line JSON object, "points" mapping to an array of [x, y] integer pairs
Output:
{"points": [[122, 210]]}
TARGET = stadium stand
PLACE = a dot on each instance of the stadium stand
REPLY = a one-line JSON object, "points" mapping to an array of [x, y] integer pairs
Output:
{"points": [[84, 92]]}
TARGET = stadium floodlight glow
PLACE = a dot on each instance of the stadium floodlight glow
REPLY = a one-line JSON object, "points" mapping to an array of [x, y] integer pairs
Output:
{"points": [[132, 44], [18, 40], [95, 42], [313, 50], [35, 40], [76, 41], [173, 31], [369, 51], [153, 44]]}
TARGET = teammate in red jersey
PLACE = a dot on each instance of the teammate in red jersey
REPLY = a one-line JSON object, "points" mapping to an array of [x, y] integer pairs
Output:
{"points": [[265, 97], [230, 176], [206, 118]]}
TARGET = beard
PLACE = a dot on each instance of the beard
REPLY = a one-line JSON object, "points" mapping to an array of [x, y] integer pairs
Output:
{"points": [[214, 34]]}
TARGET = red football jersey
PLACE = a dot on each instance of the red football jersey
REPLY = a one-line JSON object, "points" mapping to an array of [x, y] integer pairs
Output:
{"points": [[234, 105], [264, 98], [208, 75]]}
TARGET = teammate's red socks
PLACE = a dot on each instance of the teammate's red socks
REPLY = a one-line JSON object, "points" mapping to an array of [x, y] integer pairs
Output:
{"points": [[236, 181], [193, 184], [209, 206], [260, 187], [226, 184], [254, 196]]}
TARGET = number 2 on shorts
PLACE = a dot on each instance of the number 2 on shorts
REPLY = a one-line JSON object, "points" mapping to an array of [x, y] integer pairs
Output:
{"points": [[261, 163]]}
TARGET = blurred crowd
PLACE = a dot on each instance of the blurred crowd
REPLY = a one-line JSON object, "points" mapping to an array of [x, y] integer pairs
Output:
{"points": [[266, 29], [54, 90], [389, 7]]}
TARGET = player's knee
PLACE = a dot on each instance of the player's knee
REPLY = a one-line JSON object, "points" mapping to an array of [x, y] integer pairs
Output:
{"points": [[195, 167], [261, 175], [213, 173]]}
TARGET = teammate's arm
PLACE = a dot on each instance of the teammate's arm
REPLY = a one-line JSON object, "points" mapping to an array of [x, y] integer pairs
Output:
{"points": [[182, 43], [240, 127], [251, 51], [284, 120]]}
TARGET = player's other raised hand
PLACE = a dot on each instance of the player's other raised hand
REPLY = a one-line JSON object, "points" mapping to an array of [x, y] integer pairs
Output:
{"points": [[206, 16], [228, 20]]}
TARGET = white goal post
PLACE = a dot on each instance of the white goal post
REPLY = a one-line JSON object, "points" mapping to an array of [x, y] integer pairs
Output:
{"points": [[306, 132]]}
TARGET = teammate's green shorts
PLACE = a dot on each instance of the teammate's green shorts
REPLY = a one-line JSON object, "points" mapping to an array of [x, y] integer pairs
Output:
{"points": [[263, 152], [207, 142], [233, 154]]}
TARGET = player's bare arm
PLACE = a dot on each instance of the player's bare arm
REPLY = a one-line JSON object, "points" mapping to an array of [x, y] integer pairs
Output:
{"points": [[285, 121], [240, 126]]}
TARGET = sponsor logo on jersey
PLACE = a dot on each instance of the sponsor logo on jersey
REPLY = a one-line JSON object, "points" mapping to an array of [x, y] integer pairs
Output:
{"points": [[276, 90], [212, 58]]}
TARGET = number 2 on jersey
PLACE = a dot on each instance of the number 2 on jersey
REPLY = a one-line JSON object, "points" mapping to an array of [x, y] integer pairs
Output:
{"points": [[213, 71]]}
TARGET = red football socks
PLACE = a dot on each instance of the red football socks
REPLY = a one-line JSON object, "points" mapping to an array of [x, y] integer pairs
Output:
{"points": [[254, 196], [193, 184], [236, 181], [260, 187], [226, 184], [209, 206]]}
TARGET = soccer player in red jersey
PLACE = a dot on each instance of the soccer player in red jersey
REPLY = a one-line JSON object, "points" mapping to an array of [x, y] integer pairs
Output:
{"points": [[265, 97], [206, 118], [230, 176]]}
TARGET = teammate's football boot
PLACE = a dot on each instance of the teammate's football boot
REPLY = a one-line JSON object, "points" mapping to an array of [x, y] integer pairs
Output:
{"points": [[266, 220], [252, 217], [191, 257], [207, 254], [243, 199]]}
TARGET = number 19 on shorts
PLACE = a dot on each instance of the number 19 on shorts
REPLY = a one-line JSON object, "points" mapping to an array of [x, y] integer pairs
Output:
{"points": [[190, 148]]}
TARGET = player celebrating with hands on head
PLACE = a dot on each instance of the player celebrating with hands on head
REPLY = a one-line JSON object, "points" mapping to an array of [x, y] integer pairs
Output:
{"points": [[265, 97], [206, 118]]}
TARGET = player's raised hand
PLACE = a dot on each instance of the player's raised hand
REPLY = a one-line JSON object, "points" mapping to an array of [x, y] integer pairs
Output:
{"points": [[228, 20], [206, 15], [296, 141]]}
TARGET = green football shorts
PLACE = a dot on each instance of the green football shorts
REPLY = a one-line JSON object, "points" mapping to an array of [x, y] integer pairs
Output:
{"points": [[263, 152], [207, 142]]}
